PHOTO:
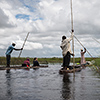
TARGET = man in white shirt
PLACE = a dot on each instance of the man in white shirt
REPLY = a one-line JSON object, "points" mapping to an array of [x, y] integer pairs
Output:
{"points": [[66, 51]]}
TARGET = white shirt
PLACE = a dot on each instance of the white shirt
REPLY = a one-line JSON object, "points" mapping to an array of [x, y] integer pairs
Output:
{"points": [[65, 45]]}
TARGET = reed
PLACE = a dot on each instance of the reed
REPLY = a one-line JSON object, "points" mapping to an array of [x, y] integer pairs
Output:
{"points": [[18, 61]]}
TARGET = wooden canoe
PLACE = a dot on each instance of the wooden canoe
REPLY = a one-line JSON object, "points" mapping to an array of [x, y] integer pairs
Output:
{"points": [[22, 67], [72, 70]]}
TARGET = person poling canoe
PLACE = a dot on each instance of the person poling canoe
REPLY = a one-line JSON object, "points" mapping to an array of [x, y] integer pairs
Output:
{"points": [[66, 51], [82, 56], [9, 51], [83, 62]]}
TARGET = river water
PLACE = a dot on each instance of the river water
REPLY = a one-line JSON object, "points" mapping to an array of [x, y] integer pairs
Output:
{"points": [[48, 84]]}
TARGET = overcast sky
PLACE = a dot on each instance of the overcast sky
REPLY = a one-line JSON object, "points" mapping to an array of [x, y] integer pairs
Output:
{"points": [[47, 21]]}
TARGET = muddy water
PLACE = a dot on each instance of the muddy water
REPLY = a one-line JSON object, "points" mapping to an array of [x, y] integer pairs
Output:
{"points": [[48, 84]]}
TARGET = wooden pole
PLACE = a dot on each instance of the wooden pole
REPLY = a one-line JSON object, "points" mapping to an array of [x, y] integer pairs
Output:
{"points": [[83, 46], [71, 15], [23, 44], [96, 40], [72, 32]]}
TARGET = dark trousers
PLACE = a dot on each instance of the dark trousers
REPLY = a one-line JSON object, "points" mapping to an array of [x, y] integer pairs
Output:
{"points": [[8, 57], [66, 60]]}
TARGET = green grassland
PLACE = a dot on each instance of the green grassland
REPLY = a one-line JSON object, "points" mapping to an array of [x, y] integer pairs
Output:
{"points": [[18, 61]]}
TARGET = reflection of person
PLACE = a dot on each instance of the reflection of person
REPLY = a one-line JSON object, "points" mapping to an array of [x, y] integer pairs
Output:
{"points": [[9, 51], [8, 85], [27, 62], [35, 62], [66, 51], [66, 89], [82, 56]]}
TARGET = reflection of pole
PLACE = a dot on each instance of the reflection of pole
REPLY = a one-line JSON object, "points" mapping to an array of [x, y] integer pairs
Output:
{"points": [[73, 89], [72, 32], [23, 44]]}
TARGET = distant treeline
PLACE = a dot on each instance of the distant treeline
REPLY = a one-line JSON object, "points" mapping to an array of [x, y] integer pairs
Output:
{"points": [[18, 61]]}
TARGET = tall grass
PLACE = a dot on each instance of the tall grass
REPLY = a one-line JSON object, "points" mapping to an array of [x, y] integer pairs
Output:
{"points": [[18, 61], [97, 62]]}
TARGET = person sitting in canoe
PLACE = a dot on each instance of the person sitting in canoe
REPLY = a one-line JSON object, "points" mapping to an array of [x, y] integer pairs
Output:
{"points": [[26, 62], [35, 62], [66, 51], [9, 51]]}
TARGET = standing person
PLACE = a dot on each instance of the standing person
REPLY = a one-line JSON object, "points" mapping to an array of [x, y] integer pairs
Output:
{"points": [[66, 51], [9, 51], [27, 62], [83, 62], [35, 62]]}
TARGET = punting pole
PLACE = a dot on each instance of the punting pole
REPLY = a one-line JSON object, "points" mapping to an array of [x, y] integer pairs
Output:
{"points": [[83, 46], [96, 40], [72, 32], [23, 44]]}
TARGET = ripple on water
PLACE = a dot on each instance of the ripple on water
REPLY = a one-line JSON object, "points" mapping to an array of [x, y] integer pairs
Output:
{"points": [[48, 84]]}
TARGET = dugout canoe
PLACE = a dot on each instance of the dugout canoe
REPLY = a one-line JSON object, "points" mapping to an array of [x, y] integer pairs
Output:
{"points": [[22, 67], [77, 68]]}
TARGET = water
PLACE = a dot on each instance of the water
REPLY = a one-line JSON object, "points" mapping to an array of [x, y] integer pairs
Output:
{"points": [[48, 84]]}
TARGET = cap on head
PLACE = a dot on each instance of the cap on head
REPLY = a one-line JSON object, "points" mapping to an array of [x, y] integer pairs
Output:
{"points": [[13, 44], [81, 49]]}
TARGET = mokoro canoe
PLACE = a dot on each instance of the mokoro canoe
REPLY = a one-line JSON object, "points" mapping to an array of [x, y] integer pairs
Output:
{"points": [[77, 68], [22, 67]]}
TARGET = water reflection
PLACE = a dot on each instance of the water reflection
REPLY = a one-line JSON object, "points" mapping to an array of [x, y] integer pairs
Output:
{"points": [[8, 71], [47, 84], [66, 93], [8, 82]]}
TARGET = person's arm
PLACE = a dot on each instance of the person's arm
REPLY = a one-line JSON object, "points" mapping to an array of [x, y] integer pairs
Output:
{"points": [[18, 49], [71, 37], [72, 54], [84, 50], [38, 63]]}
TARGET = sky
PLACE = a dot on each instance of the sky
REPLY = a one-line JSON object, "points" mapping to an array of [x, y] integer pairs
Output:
{"points": [[47, 21]]}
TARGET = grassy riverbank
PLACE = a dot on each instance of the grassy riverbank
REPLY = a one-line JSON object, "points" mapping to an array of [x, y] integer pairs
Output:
{"points": [[17, 61], [95, 63]]}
